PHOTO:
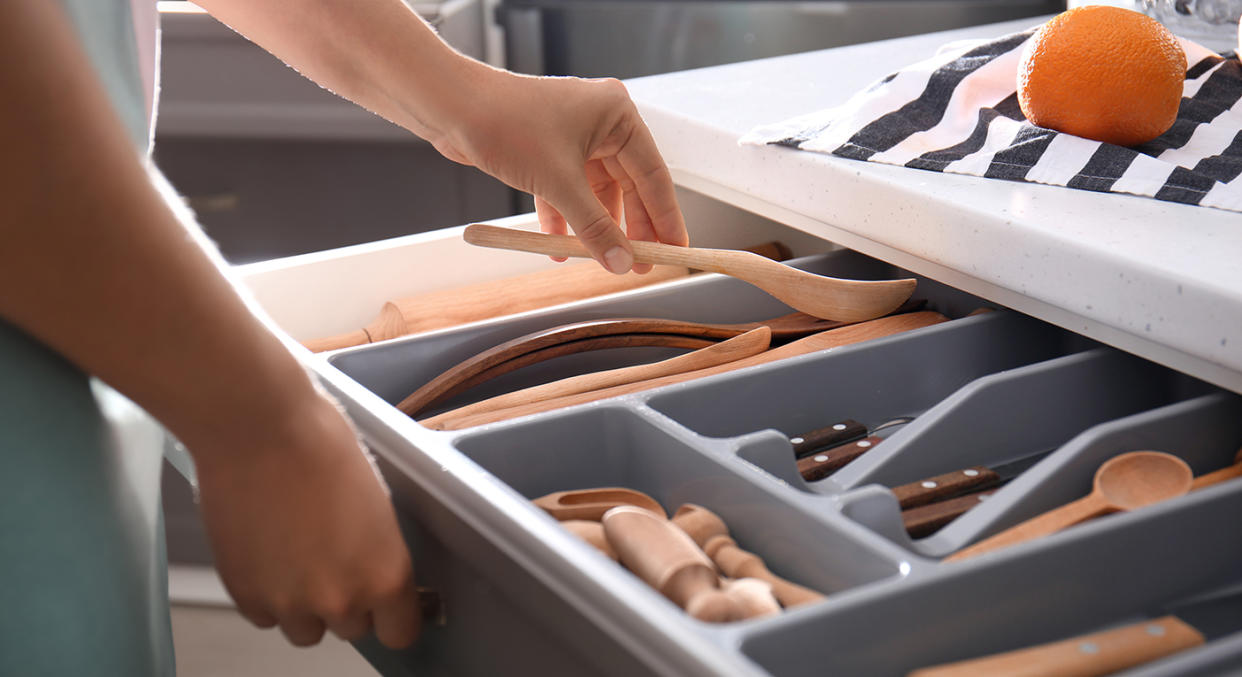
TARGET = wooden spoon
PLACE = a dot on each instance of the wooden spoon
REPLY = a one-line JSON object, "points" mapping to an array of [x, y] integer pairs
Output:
{"points": [[1126, 482], [850, 334], [591, 504], [821, 296], [751, 343], [1222, 475]]}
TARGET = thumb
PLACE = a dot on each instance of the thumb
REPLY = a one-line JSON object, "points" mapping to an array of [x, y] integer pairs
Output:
{"points": [[595, 228]]}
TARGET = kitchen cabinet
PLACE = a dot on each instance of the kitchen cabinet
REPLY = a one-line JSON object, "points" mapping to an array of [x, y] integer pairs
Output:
{"points": [[1115, 327]]}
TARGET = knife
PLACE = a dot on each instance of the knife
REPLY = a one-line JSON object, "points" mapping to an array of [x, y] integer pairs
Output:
{"points": [[959, 482], [1187, 624], [823, 463]]}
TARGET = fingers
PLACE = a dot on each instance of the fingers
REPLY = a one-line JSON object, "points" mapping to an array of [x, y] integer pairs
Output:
{"points": [[550, 221], [590, 220], [641, 162], [397, 618], [302, 629], [637, 222]]}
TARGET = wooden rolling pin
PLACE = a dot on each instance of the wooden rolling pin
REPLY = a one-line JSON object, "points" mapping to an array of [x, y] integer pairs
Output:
{"points": [[707, 530], [664, 556], [485, 300], [855, 333]]}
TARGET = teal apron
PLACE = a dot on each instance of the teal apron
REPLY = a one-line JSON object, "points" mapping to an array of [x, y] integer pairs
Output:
{"points": [[83, 576]]}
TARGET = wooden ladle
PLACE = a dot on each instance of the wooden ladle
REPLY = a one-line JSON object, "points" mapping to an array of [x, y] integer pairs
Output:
{"points": [[827, 297], [1125, 482]]}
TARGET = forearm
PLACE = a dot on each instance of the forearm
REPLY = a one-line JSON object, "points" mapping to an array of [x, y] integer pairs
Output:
{"points": [[379, 54], [96, 265]]}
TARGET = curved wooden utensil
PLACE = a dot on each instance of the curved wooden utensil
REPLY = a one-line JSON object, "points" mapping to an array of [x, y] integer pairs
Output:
{"points": [[1125, 482], [821, 296], [591, 504], [488, 364], [752, 342], [832, 338]]}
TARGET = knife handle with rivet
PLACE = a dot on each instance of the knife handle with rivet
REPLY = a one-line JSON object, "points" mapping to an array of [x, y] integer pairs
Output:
{"points": [[824, 463], [926, 520], [944, 486], [834, 435], [1100, 653]]}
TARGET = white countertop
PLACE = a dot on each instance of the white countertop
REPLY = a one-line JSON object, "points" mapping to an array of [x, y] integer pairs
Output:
{"points": [[1158, 279]]}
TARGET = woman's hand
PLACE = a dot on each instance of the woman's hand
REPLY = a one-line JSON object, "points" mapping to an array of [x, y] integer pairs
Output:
{"points": [[303, 533], [580, 147]]}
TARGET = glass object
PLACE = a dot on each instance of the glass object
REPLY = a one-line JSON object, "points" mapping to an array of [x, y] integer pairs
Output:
{"points": [[1211, 23]]}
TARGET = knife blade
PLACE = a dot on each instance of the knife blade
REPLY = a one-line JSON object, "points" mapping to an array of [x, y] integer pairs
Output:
{"points": [[1186, 625]]}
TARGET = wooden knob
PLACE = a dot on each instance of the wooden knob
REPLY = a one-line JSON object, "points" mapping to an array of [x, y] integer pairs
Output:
{"points": [[753, 596]]}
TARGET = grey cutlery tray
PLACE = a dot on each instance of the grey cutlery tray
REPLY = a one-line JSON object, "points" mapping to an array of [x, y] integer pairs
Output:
{"points": [[984, 389]]}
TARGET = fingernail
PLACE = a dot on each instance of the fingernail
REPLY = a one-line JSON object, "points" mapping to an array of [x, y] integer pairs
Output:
{"points": [[618, 260]]}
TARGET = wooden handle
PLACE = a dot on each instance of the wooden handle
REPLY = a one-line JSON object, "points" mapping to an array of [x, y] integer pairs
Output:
{"points": [[593, 533], [822, 464], [1100, 653], [1043, 525], [926, 520], [833, 435], [736, 348], [591, 504], [496, 237], [738, 563], [753, 597], [665, 557], [944, 486], [1217, 476], [856, 333]]}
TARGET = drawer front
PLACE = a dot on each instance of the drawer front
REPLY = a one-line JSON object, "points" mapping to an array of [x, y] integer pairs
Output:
{"points": [[979, 390]]}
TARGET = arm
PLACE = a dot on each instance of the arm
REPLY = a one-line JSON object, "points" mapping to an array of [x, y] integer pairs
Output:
{"points": [[578, 146], [95, 264]]}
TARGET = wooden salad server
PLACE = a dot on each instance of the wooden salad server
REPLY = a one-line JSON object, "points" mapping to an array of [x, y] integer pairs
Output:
{"points": [[751, 343], [578, 337], [833, 338], [827, 297], [591, 504], [1125, 482], [707, 530], [664, 556]]}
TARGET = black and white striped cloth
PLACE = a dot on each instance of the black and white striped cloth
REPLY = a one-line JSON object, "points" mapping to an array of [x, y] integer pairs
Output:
{"points": [[958, 112]]}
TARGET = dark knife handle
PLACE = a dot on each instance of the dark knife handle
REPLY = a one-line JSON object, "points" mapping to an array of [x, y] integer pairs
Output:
{"points": [[828, 436], [928, 519], [944, 486], [822, 464]]}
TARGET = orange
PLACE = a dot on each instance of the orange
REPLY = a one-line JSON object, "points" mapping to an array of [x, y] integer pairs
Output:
{"points": [[1102, 73]]}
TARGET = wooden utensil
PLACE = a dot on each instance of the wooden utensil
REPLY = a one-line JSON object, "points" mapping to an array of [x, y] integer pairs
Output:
{"points": [[753, 596], [591, 504], [1093, 655], [601, 334], [821, 296], [707, 530], [452, 307], [592, 532], [751, 343], [1125, 482], [665, 557], [832, 338]]}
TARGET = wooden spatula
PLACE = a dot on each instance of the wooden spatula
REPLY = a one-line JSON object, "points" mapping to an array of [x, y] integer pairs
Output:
{"points": [[827, 297]]}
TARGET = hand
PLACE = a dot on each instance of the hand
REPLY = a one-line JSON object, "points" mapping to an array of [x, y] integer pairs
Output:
{"points": [[303, 532], [580, 147]]}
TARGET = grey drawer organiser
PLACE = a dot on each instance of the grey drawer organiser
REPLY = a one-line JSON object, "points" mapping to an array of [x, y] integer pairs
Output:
{"points": [[526, 597]]}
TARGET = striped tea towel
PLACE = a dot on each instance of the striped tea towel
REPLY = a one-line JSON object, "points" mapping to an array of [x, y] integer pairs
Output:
{"points": [[958, 112]]}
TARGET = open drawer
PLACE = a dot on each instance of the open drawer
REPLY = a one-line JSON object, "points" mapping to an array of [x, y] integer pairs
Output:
{"points": [[524, 596]]}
